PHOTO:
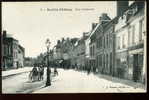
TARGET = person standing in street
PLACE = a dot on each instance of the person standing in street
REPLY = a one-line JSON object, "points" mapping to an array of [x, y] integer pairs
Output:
{"points": [[55, 71]]}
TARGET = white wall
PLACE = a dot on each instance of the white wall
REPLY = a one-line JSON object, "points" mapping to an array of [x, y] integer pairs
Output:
{"points": [[121, 34], [137, 30], [87, 49]]}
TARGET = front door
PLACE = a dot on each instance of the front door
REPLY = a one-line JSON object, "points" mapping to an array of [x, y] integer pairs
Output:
{"points": [[137, 67]]}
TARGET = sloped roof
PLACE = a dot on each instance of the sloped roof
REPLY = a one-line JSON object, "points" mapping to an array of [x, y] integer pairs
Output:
{"points": [[109, 24]]}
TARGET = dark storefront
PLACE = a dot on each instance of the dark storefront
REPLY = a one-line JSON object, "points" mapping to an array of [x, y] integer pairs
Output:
{"points": [[136, 63]]}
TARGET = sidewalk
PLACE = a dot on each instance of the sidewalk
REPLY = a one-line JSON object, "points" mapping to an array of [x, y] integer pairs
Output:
{"points": [[71, 81], [15, 71], [123, 81]]}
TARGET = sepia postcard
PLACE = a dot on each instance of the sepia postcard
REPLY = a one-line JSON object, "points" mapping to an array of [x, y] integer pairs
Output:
{"points": [[74, 47]]}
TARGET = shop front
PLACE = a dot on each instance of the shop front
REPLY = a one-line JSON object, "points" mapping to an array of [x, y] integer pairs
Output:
{"points": [[122, 65], [136, 64]]}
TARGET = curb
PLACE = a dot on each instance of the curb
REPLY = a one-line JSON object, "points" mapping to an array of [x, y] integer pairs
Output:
{"points": [[8, 76]]}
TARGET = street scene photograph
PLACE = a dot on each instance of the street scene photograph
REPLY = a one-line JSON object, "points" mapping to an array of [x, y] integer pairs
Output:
{"points": [[74, 47]]}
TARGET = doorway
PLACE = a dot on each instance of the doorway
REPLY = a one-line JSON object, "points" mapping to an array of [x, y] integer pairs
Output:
{"points": [[137, 67]]}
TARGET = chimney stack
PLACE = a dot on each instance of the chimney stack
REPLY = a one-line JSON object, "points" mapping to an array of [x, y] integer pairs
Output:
{"points": [[94, 25], [104, 18], [4, 33]]}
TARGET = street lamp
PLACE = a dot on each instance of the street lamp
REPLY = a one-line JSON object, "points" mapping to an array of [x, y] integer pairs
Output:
{"points": [[48, 83]]}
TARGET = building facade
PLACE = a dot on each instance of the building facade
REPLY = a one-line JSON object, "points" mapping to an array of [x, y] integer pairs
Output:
{"points": [[136, 31], [99, 39], [121, 34], [81, 53], [7, 51], [92, 47], [13, 54], [130, 43], [109, 46], [87, 52], [21, 55]]}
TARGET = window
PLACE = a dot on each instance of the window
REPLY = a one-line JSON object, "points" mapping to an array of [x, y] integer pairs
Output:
{"points": [[100, 60], [129, 36], [93, 50], [5, 50], [133, 34], [107, 41], [141, 30], [99, 42], [111, 42], [97, 61], [107, 60], [123, 41], [13, 54], [9, 50], [16, 55], [103, 42], [118, 42], [143, 25]]}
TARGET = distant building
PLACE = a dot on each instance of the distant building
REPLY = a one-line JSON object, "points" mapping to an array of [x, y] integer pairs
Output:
{"points": [[64, 52], [29, 62], [87, 51], [21, 55], [71, 52], [13, 54], [7, 51], [81, 53], [74, 55]]}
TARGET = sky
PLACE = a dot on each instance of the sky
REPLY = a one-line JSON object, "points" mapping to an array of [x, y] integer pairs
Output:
{"points": [[31, 23]]}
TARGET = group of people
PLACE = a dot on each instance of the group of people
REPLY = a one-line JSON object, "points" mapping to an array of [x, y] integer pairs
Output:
{"points": [[37, 73]]}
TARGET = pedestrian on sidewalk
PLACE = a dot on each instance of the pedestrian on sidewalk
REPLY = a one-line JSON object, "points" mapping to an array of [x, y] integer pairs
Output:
{"points": [[55, 71], [33, 73], [88, 70]]}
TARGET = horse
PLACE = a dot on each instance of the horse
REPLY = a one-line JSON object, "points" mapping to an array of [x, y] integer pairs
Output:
{"points": [[33, 75]]}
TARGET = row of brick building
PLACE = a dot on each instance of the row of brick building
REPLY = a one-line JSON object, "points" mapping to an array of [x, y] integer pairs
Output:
{"points": [[114, 46], [12, 52]]}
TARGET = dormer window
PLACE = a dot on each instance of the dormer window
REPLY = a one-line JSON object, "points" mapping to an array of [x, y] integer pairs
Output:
{"points": [[135, 10], [130, 12], [124, 16]]}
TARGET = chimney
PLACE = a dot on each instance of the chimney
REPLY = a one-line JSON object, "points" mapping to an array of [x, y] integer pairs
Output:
{"points": [[122, 6], [94, 25], [104, 18], [4, 33]]}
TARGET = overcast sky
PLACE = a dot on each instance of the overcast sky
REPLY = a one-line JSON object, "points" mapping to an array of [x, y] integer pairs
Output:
{"points": [[31, 24]]}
